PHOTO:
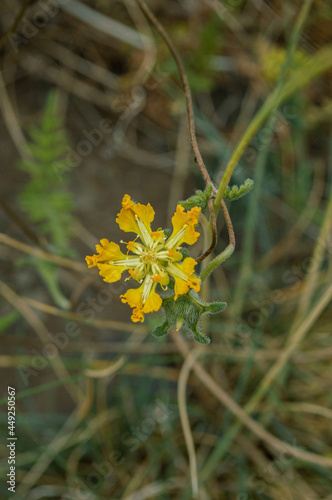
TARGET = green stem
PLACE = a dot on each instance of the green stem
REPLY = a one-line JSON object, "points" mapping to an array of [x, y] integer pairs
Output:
{"points": [[314, 67], [317, 65], [250, 230], [225, 254], [254, 200]]}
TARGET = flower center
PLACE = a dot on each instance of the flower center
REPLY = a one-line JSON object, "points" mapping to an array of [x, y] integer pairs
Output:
{"points": [[149, 256]]}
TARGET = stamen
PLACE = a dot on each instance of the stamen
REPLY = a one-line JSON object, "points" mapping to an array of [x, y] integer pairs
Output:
{"points": [[163, 255], [146, 238], [148, 283], [140, 266], [134, 247], [175, 271], [130, 261], [172, 242], [156, 269]]}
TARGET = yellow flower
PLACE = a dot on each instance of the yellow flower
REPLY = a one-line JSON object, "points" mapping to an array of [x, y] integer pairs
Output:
{"points": [[153, 260]]}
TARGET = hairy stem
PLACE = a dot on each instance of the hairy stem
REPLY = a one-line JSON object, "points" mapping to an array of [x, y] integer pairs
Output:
{"points": [[186, 88], [225, 254]]}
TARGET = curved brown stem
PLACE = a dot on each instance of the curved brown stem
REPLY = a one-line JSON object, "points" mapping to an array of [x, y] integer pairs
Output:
{"points": [[229, 224], [214, 233], [192, 132], [186, 89]]}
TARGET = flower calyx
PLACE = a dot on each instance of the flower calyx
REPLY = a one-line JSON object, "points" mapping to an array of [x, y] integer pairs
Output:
{"points": [[187, 312]]}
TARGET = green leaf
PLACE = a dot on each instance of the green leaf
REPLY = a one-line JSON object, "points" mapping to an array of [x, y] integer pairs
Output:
{"points": [[215, 307], [236, 192], [199, 199], [161, 330], [187, 311], [200, 337], [47, 201]]}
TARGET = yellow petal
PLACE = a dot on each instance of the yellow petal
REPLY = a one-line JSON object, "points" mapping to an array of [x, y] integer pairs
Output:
{"points": [[137, 315], [126, 218], [110, 272], [127, 222], [107, 251], [195, 283], [190, 237], [91, 260], [153, 302], [127, 201], [187, 266], [133, 297], [182, 285], [145, 213], [180, 219]]}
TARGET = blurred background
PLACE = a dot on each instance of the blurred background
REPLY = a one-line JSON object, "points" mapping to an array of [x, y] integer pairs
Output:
{"points": [[92, 109]]}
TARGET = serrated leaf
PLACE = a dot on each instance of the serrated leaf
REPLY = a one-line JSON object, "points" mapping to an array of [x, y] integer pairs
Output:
{"points": [[45, 201], [199, 199], [236, 192], [187, 311]]}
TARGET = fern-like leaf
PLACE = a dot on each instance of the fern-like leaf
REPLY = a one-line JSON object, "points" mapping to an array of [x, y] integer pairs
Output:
{"points": [[46, 201], [236, 192]]}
